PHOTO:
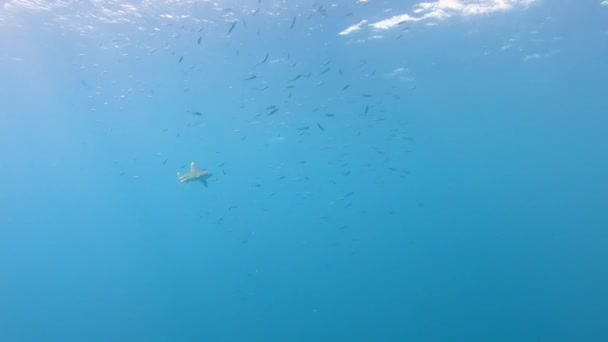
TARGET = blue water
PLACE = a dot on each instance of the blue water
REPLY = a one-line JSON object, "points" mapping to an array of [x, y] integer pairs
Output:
{"points": [[468, 202]]}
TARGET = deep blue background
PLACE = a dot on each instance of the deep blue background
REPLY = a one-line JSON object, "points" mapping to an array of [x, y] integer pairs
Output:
{"points": [[478, 211]]}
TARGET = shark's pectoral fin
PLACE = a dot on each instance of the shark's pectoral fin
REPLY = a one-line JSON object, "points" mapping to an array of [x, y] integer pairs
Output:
{"points": [[204, 181]]}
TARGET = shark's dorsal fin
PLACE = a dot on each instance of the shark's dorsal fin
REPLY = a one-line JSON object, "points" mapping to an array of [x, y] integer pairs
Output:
{"points": [[193, 167]]}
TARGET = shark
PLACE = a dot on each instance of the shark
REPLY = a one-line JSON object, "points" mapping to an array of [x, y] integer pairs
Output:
{"points": [[195, 174]]}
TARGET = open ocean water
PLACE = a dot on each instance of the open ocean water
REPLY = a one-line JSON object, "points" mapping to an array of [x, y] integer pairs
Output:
{"points": [[364, 170]]}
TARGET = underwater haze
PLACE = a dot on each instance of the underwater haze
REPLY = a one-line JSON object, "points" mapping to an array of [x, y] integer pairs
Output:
{"points": [[265, 170]]}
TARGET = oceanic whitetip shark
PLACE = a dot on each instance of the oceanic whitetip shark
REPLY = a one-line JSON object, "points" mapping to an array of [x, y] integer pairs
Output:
{"points": [[195, 174]]}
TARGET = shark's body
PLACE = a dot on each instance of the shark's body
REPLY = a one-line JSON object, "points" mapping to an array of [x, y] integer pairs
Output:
{"points": [[195, 174]]}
